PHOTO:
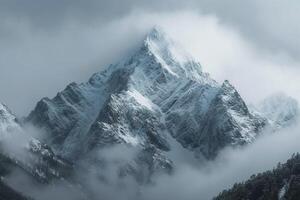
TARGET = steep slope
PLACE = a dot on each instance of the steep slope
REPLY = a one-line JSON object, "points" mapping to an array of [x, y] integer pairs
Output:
{"points": [[7, 165], [8, 122], [228, 121], [160, 91], [282, 183]]}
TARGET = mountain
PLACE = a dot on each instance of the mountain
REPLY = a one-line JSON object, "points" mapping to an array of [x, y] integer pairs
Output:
{"points": [[8, 122], [21, 151], [158, 92], [280, 109], [281, 183]]}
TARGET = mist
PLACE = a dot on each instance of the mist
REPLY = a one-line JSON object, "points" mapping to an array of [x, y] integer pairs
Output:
{"points": [[42, 51], [231, 166], [98, 177]]}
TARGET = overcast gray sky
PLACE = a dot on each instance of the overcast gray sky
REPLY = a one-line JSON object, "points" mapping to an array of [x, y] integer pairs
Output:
{"points": [[46, 44]]}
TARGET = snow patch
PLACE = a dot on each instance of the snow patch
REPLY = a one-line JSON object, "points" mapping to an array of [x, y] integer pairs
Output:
{"points": [[144, 101], [282, 191]]}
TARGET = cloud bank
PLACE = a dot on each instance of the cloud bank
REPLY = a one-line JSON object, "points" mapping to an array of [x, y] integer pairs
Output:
{"points": [[46, 45], [190, 180]]}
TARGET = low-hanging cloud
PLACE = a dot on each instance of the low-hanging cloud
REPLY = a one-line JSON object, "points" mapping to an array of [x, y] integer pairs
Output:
{"points": [[204, 180], [231, 166], [189, 180]]}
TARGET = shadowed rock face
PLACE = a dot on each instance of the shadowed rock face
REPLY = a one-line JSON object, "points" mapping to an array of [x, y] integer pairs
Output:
{"points": [[228, 121]]}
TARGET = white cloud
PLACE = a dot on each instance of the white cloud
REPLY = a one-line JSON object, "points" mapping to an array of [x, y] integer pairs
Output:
{"points": [[35, 64], [232, 165]]}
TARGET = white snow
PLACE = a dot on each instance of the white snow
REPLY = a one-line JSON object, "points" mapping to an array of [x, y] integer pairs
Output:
{"points": [[144, 101], [172, 57], [282, 191], [130, 139], [247, 131], [8, 124]]}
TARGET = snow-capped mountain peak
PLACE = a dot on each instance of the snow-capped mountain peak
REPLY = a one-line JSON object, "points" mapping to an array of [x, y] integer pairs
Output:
{"points": [[8, 121], [160, 91], [280, 109], [171, 55]]}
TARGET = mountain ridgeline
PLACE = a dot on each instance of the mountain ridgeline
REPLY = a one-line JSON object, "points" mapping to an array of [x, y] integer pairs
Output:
{"points": [[159, 92]]}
